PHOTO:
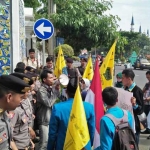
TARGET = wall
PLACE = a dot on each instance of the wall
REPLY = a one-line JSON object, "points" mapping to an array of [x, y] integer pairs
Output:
{"points": [[5, 37], [12, 34]]}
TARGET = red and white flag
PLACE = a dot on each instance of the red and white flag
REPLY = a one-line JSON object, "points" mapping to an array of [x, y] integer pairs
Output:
{"points": [[94, 96]]}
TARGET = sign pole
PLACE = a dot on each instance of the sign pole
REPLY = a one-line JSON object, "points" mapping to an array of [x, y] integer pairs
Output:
{"points": [[43, 52]]}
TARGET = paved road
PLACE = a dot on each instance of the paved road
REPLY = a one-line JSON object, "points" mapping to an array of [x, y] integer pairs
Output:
{"points": [[140, 80]]}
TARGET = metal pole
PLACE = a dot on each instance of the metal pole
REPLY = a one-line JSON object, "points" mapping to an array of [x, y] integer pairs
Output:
{"points": [[51, 40], [43, 52]]}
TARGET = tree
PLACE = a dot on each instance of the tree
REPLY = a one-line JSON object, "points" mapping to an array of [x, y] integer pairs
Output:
{"points": [[83, 23], [67, 50], [32, 3]]}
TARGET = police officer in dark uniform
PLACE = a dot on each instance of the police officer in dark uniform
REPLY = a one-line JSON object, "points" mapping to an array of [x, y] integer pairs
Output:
{"points": [[12, 90], [21, 119]]}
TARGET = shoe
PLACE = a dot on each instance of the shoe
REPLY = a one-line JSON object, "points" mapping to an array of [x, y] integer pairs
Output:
{"points": [[148, 137], [145, 132]]}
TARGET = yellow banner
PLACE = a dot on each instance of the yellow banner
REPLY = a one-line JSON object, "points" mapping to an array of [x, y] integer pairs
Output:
{"points": [[88, 73], [107, 68], [77, 135], [60, 63]]}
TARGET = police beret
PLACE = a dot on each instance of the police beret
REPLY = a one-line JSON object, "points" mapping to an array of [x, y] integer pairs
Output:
{"points": [[31, 50], [21, 70], [14, 84], [30, 69], [23, 77], [69, 60], [32, 75]]}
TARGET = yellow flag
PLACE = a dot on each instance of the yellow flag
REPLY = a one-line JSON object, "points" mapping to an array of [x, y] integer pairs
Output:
{"points": [[88, 73], [77, 135], [60, 63], [107, 68]]}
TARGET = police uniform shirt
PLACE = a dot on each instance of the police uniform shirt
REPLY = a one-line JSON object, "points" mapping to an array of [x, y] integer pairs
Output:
{"points": [[5, 132], [20, 124]]}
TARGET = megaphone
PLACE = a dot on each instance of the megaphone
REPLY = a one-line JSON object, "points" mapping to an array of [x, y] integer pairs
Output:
{"points": [[64, 80]]}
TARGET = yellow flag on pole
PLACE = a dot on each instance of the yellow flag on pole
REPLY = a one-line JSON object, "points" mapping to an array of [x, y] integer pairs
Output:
{"points": [[77, 135], [88, 73], [60, 63], [107, 68]]}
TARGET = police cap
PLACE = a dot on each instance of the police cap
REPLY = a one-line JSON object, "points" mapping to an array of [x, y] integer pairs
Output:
{"points": [[30, 69], [23, 77], [14, 84]]}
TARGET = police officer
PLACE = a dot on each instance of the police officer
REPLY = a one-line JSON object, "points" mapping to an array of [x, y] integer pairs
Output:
{"points": [[12, 90], [22, 120]]}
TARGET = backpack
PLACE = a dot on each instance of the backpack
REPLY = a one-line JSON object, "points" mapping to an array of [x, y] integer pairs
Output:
{"points": [[124, 138]]}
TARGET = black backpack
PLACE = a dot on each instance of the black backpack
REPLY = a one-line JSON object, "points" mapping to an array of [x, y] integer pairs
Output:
{"points": [[124, 138]]}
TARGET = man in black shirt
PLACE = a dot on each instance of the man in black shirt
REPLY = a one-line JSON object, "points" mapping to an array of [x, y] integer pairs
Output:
{"points": [[83, 66], [137, 99]]}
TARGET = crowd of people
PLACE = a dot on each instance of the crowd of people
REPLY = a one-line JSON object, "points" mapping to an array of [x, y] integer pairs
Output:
{"points": [[32, 111]]}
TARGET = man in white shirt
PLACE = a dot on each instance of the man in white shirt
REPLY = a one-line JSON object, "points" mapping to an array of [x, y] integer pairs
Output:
{"points": [[31, 60]]}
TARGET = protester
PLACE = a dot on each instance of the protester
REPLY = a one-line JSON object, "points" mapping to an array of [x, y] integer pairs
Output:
{"points": [[31, 60], [49, 64], [146, 91], [46, 97], [60, 117], [85, 85], [119, 84], [83, 66], [137, 99], [107, 127]]}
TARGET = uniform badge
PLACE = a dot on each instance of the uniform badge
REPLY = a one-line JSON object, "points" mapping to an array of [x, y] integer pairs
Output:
{"points": [[1, 140], [5, 135], [11, 115]]}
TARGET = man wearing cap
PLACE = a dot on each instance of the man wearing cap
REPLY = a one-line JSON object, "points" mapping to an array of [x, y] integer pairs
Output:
{"points": [[83, 65], [46, 97], [31, 60], [60, 117], [12, 90], [119, 84], [21, 119]]}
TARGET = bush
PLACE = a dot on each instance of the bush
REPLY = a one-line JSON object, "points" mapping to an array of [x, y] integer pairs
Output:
{"points": [[67, 50], [76, 58], [123, 59]]}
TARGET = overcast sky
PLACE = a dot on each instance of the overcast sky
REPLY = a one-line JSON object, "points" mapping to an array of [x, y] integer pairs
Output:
{"points": [[140, 10]]}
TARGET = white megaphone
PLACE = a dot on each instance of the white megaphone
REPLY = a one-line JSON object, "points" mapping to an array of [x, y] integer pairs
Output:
{"points": [[64, 80]]}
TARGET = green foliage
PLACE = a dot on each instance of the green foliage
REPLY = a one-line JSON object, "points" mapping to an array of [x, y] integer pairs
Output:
{"points": [[76, 58], [67, 50], [32, 3], [135, 42], [123, 59], [82, 23]]}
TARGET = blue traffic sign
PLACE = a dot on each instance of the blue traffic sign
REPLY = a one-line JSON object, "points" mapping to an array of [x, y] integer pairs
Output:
{"points": [[43, 29]]}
